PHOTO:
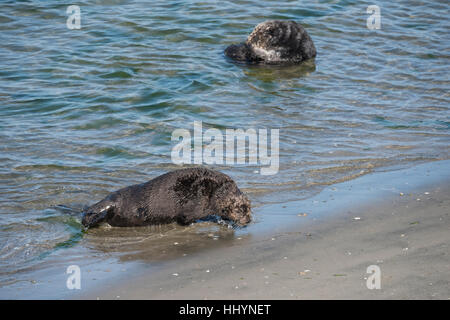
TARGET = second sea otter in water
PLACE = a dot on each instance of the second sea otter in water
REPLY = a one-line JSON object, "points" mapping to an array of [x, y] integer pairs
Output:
{"points": [[274, 42]]}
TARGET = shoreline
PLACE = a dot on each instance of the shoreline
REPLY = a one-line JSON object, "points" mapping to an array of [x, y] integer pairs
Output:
{"points": [[397, 220]]}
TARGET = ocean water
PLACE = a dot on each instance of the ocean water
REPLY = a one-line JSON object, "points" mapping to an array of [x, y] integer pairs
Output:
{"points": [[85, 112]]}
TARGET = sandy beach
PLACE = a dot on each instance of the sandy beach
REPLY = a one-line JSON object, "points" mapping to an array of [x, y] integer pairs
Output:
{"points": [[403, 229]]}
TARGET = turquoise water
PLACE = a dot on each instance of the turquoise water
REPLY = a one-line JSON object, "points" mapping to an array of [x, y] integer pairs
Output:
{"points": [[85, 112]]}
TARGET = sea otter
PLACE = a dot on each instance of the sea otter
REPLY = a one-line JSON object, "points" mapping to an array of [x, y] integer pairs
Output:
{"points": [[274, 42], [183, 196]]}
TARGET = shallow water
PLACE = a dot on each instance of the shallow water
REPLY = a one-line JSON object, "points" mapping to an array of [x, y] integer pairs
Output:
{"points": [[85, 112]]}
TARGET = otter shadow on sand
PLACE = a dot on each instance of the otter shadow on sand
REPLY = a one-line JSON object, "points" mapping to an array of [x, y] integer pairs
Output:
{"points": [[161, 242], [152, 243]]}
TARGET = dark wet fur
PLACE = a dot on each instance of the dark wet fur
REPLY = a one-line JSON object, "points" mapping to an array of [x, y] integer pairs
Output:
{"points": [[182, 196], [288, 40], [242, 53]]}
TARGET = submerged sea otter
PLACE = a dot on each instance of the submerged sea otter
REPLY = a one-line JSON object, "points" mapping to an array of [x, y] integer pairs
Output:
{"points": [[182, 196], [274, 42]]}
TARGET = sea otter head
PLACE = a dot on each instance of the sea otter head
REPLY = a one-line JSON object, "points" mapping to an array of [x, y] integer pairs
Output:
{"points": [[234, 207]]}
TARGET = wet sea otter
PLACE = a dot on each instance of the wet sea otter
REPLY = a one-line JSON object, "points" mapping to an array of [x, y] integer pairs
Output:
{"points": [[182, 196], [274, 42]]}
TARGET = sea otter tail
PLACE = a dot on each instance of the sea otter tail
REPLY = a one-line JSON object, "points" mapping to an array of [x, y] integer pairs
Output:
{"points": [[97, 213]]}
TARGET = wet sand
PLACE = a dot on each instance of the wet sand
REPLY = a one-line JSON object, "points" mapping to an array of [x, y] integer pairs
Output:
{"points": [[398, 221]]}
